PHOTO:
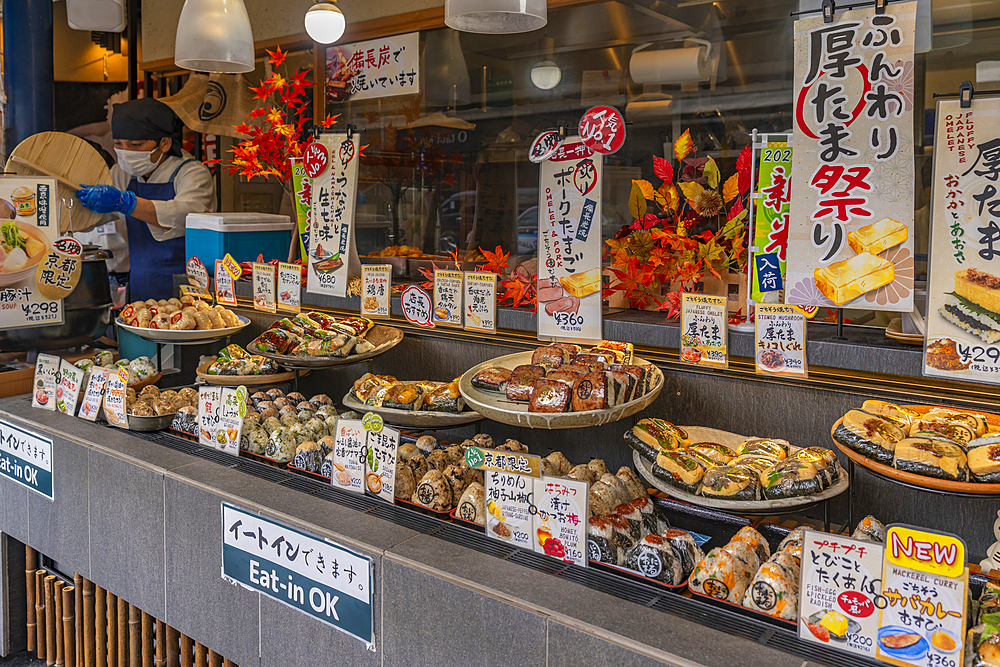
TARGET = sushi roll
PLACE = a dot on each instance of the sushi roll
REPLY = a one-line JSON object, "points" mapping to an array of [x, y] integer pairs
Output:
{"points": [[492, 378], [984, 463], [720, 454], [679, 470], [308, 456], [720, 575], [869, 435], [900, 417], [932, 458], [522, 380], [870, 529], [773, 591], [686, 548], [404, 397], [602, 546], [654, 557], [650, 436], [777, 449], [957, 430], [976, 422], [988, 439], [789, 479], [730, 483]]}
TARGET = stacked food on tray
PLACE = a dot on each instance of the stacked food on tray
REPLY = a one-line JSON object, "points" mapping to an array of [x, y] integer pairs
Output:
{"points": [[759, 469], [947, 444], [315, 334], [438, 478], [140, 369], [385, 391], [183, 314], [151, 402], [234, 360], [564, 377]]}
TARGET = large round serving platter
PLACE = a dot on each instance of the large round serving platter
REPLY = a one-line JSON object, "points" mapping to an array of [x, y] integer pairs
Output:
{"points": [[382, 337], [419, 419], [187, 336], [922, 481], [244, 380], [754, 507], [496, 406]]}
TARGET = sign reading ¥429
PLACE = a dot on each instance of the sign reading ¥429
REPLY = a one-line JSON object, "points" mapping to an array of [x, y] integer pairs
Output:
{"points": [[316, 577], [26, 458]]}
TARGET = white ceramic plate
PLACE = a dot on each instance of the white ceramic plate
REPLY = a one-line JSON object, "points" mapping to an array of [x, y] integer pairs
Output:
{"points": [[495, 406], [188, 336]]}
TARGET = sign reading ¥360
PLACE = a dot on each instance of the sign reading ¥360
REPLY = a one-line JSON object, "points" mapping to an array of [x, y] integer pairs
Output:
{"points": [[316, 577], [26, 458]]}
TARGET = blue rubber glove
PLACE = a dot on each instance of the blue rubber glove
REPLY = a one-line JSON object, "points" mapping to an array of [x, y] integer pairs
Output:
{"points": [[107, 199]]}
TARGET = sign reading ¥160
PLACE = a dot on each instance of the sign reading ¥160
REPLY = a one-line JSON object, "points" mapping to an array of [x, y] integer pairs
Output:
{"points": [[26, 458], [317, 577]]}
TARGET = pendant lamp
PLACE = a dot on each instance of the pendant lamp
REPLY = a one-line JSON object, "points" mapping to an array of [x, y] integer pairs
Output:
{"points": [[325, 23], [214, 36], [495, 16]]}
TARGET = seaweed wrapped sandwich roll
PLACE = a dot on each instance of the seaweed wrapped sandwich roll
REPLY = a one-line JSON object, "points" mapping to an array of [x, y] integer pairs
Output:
{"points": [[730, 482], [869, 435], [942, 458]]}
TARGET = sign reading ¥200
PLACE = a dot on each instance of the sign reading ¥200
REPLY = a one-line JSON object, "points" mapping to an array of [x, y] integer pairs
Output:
{"points": [[26, 458], [316, 577]]}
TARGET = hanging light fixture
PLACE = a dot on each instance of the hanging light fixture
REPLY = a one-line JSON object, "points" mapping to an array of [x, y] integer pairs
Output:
{"points": [[325, 23], [495, 16], [546, 75], [214, 36]]}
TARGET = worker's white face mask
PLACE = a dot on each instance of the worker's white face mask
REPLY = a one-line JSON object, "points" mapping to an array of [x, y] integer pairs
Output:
{"points": [[137, 163]]}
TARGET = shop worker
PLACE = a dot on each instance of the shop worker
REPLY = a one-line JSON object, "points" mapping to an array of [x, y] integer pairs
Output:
{"points": [[155, 186]]}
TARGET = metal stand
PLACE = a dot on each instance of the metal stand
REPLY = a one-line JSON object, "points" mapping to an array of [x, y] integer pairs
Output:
{"points": [[840, 324]]}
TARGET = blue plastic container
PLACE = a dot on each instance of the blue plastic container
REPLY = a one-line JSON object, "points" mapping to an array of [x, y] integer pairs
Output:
{"points": [[209, 236]]}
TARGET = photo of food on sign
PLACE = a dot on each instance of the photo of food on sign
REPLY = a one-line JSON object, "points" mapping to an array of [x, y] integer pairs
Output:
{"points": [[29, 229]]}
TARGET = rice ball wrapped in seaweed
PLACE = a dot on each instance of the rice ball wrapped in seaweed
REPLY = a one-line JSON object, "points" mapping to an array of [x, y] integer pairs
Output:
{"points": [[472, 504], [773, 591], [270, 423], [300, 433], [599, 467], [637, 525], [602, 543], [418, 464], [756, 540], [317, 427], [308, 456], [686, 548], [304, 415], [438, 459], [295, 397], [433, 492], [869, 435], [870, 529], [186, 421], [558, 463], [656, 523], [796, 534], [259, 397], [288, 417], [654, 557], [721, 575], [321, 400], [328, 467], [582, 473], [326, 443]]}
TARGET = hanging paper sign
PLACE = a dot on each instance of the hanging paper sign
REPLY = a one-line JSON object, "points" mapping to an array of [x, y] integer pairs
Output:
{"points": [[925, 589], [302, 189], [850, 232], [560, 518], [509, 501], [232, 411], [209, 409], [840, 592], [347, 469], [331, 236], [602, 129], [232, 267], [289, 287], [70, 380], [36, 273], [197, 273], [58, 274], [264, 287], [93, 396], [417, 306], [381, 448], [544, 146], [481, 301], [780, 332], [115, 404], [376, 285], [375, 68], [448, 292], [704, 330], [569, 244], [45, 381], [771, 214], [225, 286], [962, 339]]}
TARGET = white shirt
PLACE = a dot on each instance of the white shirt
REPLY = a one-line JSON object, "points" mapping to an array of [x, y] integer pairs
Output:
{"points": [[194, 192]]}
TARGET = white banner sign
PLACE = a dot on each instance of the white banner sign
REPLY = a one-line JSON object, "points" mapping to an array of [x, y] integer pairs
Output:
{"points": [[376, 68], [334, 161]]}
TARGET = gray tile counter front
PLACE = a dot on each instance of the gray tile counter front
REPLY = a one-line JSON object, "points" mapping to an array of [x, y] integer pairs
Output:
{"points": [[144, 522]]}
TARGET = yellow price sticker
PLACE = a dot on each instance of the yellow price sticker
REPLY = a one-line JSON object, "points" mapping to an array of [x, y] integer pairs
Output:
{"points": [[925, 551]]}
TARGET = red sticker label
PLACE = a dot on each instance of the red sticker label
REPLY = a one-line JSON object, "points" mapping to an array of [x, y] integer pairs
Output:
{"points": [[602, 129], [69, 247], [856, 604], [315, 159]]}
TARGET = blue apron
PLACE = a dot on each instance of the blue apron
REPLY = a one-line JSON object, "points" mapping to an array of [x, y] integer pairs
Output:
{"points": [[153, 263]]}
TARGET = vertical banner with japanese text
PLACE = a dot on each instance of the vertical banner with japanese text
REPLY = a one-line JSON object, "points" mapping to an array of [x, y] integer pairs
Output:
{"points": [[332, 163], [963, 283], [569, 244], [772, 204], [850, 236]]}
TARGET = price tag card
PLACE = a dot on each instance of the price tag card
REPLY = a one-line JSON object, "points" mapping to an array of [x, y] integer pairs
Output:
{"points": [[924, 598], [196, 292], [44, 388], [417, 306], [197, 273], [560, 518], [781, 340], [381, 444], [115, 410], [509, 501], [838, 595], [481, 301], [448, 298], [347, 471], [70, 379], [93, 396], [704, 330], [232, 411], [376, 283], [264, 279], [209, 409], [225, 285], [289, 287]]}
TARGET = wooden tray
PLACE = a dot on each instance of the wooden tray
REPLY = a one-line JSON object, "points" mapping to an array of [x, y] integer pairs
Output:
{"points": [[382, 337], [414, 419], [245, 380], [922, 481], [756, 507], [495, 406]]}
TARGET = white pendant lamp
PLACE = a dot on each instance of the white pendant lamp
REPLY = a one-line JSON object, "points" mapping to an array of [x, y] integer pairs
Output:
{"points": [[325, 23], [546, 75], [495, 16], [214, 36]]}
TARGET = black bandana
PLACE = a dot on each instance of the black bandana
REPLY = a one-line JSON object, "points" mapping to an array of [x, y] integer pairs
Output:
{"points": [[146, 118]]}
